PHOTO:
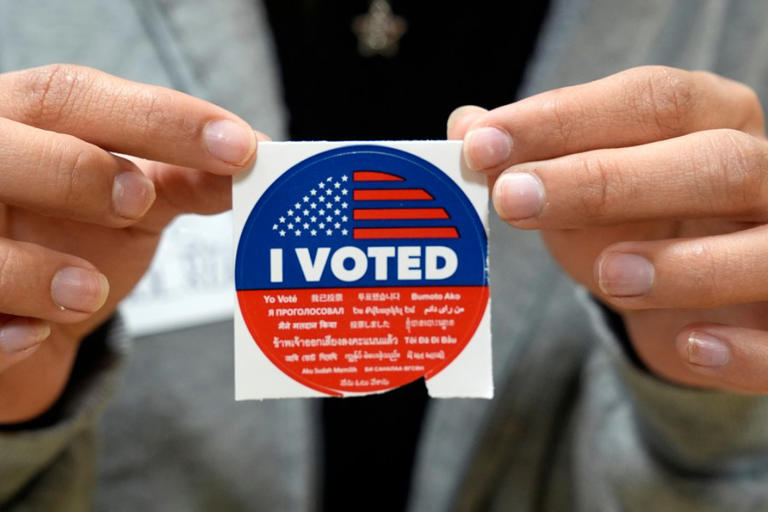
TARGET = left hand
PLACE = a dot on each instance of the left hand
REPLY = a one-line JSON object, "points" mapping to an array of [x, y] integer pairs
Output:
{"points": [[66, 212], [650, 187]]}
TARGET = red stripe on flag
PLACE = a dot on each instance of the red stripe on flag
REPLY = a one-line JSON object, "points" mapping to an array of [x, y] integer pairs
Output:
{"points": [[375, 233], [375, 176], [391, 194], [399, 213]]}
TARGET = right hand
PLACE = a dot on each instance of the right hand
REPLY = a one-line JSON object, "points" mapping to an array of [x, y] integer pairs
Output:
{"points": [[650, 188], [78, 224]]}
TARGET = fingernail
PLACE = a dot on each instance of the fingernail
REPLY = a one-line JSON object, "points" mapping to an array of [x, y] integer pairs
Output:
{"points": [[487, 147], [79, 289], [132, 195], [22, 334], [519, 196], [229, 141], [459, 113], [707, 351], [625, 275]]}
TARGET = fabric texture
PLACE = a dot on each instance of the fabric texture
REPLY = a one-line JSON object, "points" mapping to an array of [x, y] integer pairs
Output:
{"points": [[52, 467]]}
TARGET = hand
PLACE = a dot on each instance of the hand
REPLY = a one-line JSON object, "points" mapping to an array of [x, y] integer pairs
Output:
{"points": [[650, 187], [78, 224]]}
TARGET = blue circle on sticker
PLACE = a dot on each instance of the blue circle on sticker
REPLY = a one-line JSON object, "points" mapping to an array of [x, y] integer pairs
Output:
{"points": [[362, 216]]}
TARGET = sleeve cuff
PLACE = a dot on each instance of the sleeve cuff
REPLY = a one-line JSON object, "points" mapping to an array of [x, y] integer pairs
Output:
{"points": [[29, 448], [699, 430]]}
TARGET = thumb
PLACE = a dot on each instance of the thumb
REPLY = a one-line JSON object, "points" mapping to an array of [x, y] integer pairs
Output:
{"points": [[461, 119]]}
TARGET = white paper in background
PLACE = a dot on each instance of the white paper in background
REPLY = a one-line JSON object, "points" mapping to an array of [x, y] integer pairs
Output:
{"points": [[190, 281], [257, 376]]}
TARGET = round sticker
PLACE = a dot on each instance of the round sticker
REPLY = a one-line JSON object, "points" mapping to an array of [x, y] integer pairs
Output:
{"points": [[362, 269]]}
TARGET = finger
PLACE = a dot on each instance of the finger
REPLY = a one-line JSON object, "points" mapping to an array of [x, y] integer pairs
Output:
{"points": [[184, 190], [57, 174], [20, 338], [714, 173], [461, 119], [633, 107], [459, 122], [685, 273], [187, 190], [128, 117], [727, 357], [41, 283]]}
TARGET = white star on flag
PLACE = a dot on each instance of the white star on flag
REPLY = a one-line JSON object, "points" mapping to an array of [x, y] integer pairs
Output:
{"points": [[302, 221]]}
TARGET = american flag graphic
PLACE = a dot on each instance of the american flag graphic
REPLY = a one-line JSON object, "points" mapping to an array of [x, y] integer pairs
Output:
{"points": [[366, 205]]}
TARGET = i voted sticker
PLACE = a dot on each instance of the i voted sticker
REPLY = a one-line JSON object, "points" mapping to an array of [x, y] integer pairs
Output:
{"points": [[361, 268]]}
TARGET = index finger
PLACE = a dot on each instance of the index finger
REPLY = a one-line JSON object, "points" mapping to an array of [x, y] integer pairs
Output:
{"points": [[636, 106], [127, 117]]}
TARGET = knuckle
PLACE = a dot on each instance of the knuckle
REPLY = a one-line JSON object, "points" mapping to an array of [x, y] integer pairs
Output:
{"points": [[703, 264], [6, 265], [667, 95], [69, 166], [739, 100], [563, 111], [595, 187], [753, 108], [749, 97], [154, 115], [740, 164], [49, 91]]}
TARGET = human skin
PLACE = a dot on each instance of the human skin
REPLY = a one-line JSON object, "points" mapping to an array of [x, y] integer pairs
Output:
{"points": [[78, 224], [650, 188]]}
